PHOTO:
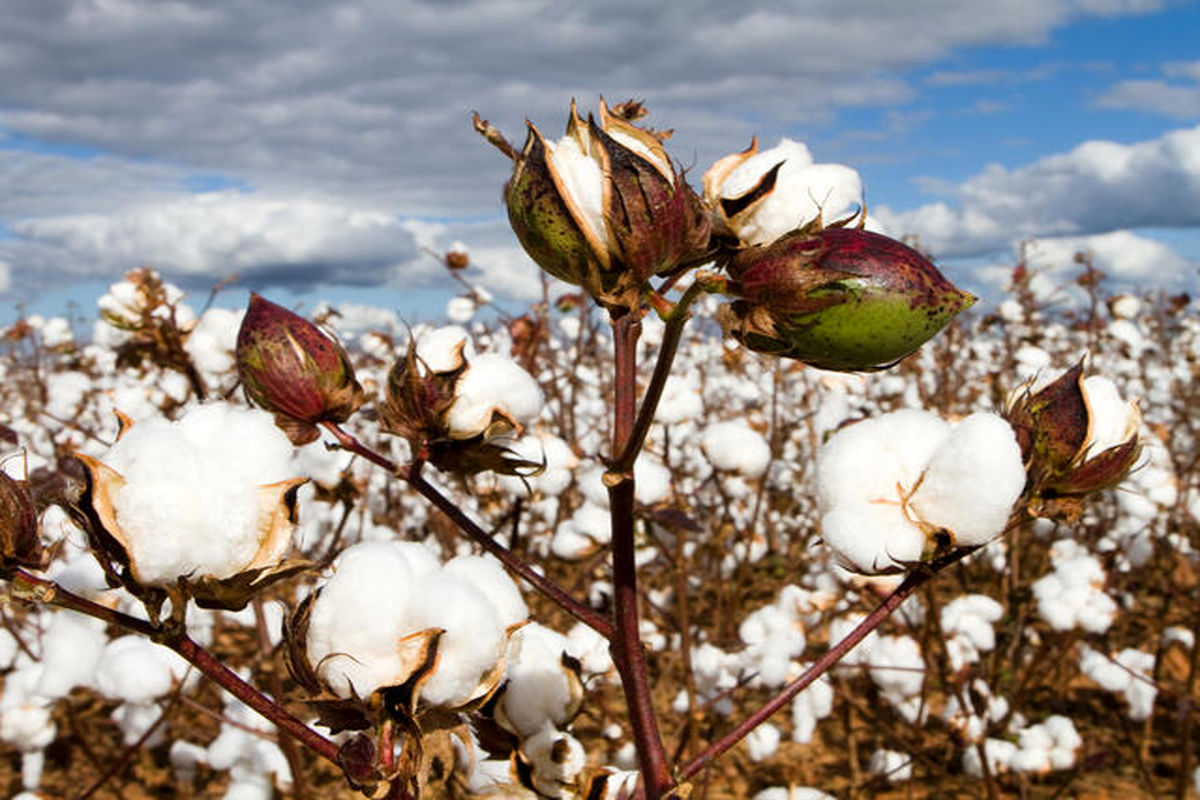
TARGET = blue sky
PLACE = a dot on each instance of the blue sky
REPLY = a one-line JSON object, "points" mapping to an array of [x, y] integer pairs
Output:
{"points": [[316, 152]]}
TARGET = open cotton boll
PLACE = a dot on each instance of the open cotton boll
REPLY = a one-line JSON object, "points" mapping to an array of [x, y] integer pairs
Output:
{"points": [[652, 480], [870, 538], [538, 689], [811, 706], [1109, 415], [136, 670], [473, 641], [583, 182], [866, 460], [762, 742], [792, 793], [999, 754], [460, 309], [555, 759], [443, 349], [891, 764], [492, 383], [680, 401], [212, 341], [486, 575], [736, 447], [189, 504], [972, 481], [71, 648], [357, 621]]}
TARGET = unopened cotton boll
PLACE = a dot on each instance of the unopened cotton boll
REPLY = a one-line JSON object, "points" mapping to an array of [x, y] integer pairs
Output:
{"points": [[736, 447]]}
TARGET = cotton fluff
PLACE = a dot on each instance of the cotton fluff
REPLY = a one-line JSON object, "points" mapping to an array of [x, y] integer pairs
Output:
{"points": [[1072, 595], [492, 384], [883, 481], [966, 623], [802, 191], [736, 447], [762, 742], [811, 706], [792, 793], [189, 505], [539, 688], [365, 626], [212, 341], [444, 349], [891, 765], [1047, 746], [1130, 673]]}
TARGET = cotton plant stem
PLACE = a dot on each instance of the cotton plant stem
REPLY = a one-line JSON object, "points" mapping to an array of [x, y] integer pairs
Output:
{"points": [[39, 589], [626, 648], [913, 581], [515, 564], [672, 333]]}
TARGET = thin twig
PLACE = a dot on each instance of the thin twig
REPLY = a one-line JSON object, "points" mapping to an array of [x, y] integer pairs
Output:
{"points": [[913, 581]]}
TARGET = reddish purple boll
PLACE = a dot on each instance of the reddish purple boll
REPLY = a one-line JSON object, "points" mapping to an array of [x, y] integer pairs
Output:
{"points": [[295, 370]]}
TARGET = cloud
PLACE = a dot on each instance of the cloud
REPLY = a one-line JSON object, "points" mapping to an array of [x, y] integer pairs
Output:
{"points": [[1097, 187], [370, 98], [1172, 99], [206, 237], [341, 119]]}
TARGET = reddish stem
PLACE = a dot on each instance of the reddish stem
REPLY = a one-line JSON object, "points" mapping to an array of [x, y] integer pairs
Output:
{"points": [[181, 643], [412, 475], [628, 654]]}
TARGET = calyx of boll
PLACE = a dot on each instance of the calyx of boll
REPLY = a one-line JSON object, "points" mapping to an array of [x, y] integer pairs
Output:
{"points": [[113, 546], [20, 545], [604, 208], [838, 298], [417, 405], [1057, 430], [295, 370]]}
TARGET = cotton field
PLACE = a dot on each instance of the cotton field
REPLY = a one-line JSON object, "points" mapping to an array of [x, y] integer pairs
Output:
{"points": [[1058, 659]]}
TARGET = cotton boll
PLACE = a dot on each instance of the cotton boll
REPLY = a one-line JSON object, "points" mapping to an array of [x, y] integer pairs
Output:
{"points": [[1109, 414], [212, 341], [871, 538], [865, 461], [539, 689], [680, 402], [810, 707], [792, 793], [372, 586], [890, 764], [762, 742], [736, 447], [460, 309], [555, 758], [999, 754], [473, 641], [442, 349], [492, 384], [972, 480], [652, 480], [138, 671], [71, 648], [486, 575], [189, 503]]}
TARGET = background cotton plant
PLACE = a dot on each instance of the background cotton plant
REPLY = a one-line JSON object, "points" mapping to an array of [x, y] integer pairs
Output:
{"points": [[700, 535]]}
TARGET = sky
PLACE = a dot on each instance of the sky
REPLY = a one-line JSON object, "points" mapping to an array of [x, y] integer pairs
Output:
{"points": [[319, 149]]}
